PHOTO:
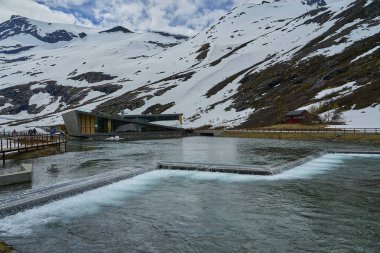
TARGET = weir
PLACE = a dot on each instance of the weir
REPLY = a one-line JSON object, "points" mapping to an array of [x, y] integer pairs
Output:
{"points": [[358, 152], [236, 168], [37, 197], [290, 165], [224, 168], [32, 198]]}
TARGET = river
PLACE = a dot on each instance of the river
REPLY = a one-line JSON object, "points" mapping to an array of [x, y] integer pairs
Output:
{"points": [[331, 204]]}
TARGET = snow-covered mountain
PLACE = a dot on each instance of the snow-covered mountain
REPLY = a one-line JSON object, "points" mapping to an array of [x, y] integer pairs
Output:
{"points": [[255, 63]]}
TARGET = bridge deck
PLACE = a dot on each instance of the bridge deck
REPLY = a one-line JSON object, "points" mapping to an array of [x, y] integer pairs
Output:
{"points": [[25, 143]]}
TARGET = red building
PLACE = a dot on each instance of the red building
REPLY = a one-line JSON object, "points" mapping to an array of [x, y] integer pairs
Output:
{"points": [[298, 116]]}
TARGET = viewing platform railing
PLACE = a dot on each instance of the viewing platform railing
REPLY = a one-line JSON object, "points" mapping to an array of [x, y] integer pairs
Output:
{"points": [[17, 142]]}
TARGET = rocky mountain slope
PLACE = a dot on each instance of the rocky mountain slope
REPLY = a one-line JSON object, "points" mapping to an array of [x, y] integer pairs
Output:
{"points": [[250, 67]]}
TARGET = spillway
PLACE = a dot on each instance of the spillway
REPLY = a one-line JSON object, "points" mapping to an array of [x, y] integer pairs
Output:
{"points": [[32, 198], [223, 168], [37, 197], [237, 168]]}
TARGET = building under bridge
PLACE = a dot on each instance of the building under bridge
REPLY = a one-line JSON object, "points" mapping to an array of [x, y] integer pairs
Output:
{"points": [[101, 125]]}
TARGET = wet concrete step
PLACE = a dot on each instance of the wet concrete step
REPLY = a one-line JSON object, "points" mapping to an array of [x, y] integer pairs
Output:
{"points": [[17, 177], [236, 168], [223, 168], [364, 152], [32, 198]]}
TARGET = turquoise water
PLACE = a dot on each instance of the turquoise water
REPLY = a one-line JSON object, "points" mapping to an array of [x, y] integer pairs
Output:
{"points": [[331, 204]]}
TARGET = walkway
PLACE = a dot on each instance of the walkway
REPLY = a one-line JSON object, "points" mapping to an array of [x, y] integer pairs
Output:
{"points": [[11, 143]]}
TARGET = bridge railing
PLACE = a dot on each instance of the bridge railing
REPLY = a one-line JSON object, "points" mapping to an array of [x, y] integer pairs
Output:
{"points": [[20, 141]]}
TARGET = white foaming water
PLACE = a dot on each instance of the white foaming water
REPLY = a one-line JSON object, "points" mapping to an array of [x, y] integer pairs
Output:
{"points": [[87, 203], [90, 202], [305, 171]]}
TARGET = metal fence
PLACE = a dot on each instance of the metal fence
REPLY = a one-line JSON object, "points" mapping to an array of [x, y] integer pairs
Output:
{"points": [[18, 141], [314, 130]]}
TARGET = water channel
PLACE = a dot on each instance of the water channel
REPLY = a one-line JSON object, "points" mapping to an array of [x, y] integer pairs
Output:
{"points": [[331, 204]]}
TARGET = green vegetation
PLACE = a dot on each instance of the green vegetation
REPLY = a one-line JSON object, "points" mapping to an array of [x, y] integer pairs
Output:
{"points": [[5, 248], [348, 137], [296, 126], [293, 84]]}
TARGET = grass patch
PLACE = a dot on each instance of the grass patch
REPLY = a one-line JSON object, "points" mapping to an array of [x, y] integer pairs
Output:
{"points": [[296, 126], [5, 248], [348, 137]]}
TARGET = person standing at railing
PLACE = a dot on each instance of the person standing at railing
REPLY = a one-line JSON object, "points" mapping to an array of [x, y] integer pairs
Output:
{"points": [[52, 132], [61, 136]]}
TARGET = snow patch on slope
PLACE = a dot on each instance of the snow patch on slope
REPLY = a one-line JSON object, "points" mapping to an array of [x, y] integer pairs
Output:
{"points": [[40, 99], [363, 118], [360, 33], [343, 90], [366, 53]]}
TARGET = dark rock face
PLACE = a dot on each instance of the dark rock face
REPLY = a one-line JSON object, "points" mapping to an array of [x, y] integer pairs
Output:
{"points": [[107, 88], [158, 108], [93, 77], [129, 100], [82, 35], [57, 36], [70, 97], [117, 29], [314, 2], [203, 51], [175, 36], [20, 25], [18, 96], [15, 49], [221, 85], [164, 90], [180, 76], [135, 98], [23, 58], [163, 45]]}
